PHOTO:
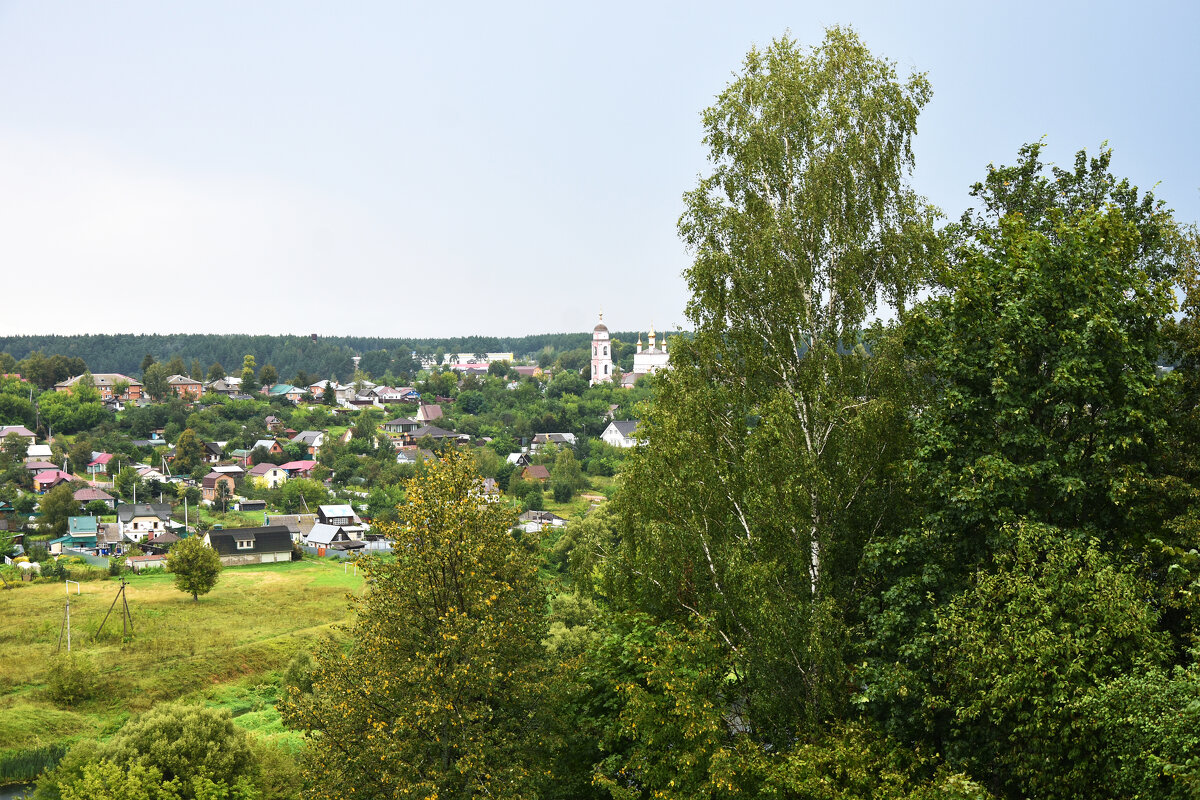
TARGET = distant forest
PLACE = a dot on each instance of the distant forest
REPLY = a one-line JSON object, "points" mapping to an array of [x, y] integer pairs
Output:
{"points": [[325, 356]]}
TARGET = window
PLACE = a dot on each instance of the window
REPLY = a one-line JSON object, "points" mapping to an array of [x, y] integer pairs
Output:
{"points": [[605, 349], [245, 544]]}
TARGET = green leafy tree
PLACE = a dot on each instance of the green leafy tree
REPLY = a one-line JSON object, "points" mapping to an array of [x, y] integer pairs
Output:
{"points": [[566, 470], [196, 565], [189, 451], [1041, 349], [147, 362], [85, 390], [216, 372], [268, 377], [197, 370], [154, 379], [80, 455], [1020, 651], [125, 482], [759, 484], [440, 692], [302, 495], [223, 495], [57, 506], [249, 381]]}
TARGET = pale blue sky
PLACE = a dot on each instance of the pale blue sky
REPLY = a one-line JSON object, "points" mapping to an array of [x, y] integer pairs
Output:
{"points": [[432, 169]]}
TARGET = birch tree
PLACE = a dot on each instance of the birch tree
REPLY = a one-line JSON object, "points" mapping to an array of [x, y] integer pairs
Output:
{"points": [[768, 446]]}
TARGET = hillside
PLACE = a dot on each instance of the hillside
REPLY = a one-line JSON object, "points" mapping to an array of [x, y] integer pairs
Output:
{"points": [[221, 650]]}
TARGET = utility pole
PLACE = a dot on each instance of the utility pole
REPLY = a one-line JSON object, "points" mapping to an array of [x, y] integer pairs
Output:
{"points": [[66, 626]]}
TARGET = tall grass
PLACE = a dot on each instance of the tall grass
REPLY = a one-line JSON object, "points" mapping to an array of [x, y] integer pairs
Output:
{"points": [[25, 765]]}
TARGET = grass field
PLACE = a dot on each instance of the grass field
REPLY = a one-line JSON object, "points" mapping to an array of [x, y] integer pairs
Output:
{"points": [[225, 650]]}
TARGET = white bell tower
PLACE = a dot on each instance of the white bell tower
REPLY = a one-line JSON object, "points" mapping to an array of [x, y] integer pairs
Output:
{"points": [[602, 364]]}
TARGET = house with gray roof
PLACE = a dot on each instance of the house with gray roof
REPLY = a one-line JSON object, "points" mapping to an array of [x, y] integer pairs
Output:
{"points": [[620, 433], [251, 545]]}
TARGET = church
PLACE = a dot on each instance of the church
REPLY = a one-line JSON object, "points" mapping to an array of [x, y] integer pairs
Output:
{"points": [[645, 360]]}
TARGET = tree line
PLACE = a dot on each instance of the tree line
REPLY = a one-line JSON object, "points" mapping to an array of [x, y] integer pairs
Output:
{"points": [[324, 357]]}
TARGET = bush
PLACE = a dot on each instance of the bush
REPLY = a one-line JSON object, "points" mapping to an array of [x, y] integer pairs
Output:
{"points": [[72, 680], [563, 492], [194, 747], [534, 500], [299, 672]]}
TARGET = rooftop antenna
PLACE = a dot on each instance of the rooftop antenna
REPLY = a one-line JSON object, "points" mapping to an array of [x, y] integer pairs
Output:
{"points": [[126, 617]]}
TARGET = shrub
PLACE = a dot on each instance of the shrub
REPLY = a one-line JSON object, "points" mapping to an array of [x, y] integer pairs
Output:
{"points": [[72, 680], [299, 672]]}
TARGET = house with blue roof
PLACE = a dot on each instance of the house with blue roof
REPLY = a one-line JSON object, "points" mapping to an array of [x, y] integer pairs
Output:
{"points": [[81, 535]]}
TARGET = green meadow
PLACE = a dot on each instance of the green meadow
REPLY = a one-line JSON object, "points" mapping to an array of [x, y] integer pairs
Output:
{"points": [[226, 650]]}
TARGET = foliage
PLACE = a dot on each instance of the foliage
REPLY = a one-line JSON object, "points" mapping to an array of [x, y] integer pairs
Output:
{"points": [[1023, 647], [154, 379], [439, 692], [57, 506], [27, 765], [174, 750], [769, 439], [189, 451], [72, 680], [1046, 402], [196, 566]]}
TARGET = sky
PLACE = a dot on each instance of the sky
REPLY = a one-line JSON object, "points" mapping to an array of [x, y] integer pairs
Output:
{"points": [[437, 169]]}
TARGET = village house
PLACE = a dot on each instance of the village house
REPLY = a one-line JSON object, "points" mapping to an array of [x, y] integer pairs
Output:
{"points": [[297, 524], [143, 520], [210, 482], [333, 537], [81, 535], [225, 386], [299, 469], [292, 393], [35, 468], [17, 430], [536, 521], [620, 433], [401, 425], [251, 545], [234, 471], [213, 451], [540, 440], [106, 383], [267, 475], [48, 479], [312, 440], [536, 472], [38, 452], [342, 516], [99, 463], [428, 412], [270, 445], [89, 493], [185, 387], [274, 423]]}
